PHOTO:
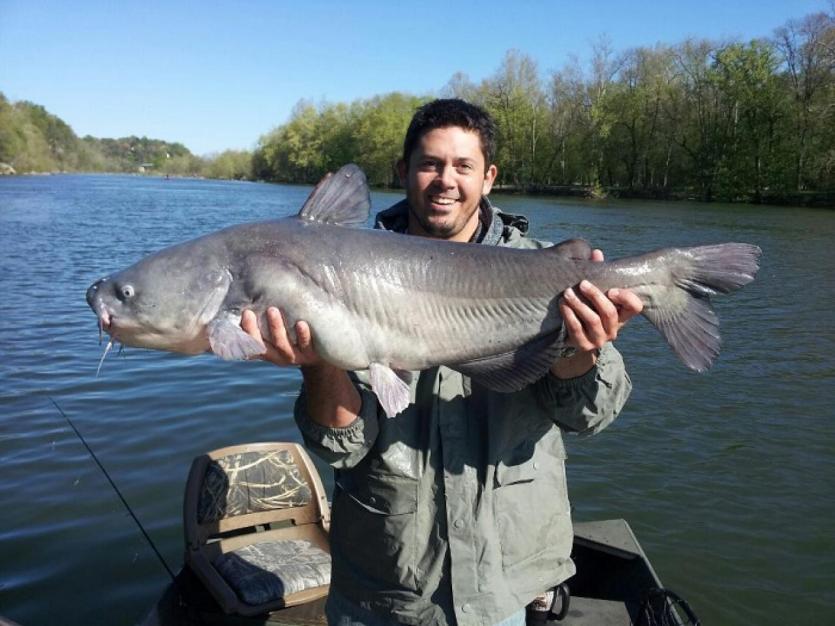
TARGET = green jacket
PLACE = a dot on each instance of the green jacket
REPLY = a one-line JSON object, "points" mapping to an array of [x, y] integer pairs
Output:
{"points": [[456, 510]]}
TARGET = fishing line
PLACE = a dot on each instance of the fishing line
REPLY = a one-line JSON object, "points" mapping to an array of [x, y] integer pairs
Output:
{"points": [[116, 489]]}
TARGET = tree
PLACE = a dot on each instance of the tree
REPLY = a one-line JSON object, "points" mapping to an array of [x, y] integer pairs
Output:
{"points": [[696, 119], [514, 96], [380, 127], [568, 159], [756, 109], [807, 50]]}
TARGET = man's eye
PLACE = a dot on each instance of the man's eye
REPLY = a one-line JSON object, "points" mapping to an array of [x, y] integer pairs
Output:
{"points": [[465, 167]]}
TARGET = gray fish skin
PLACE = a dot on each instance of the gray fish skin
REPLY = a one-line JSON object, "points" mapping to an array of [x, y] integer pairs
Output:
{"points": [[383, 301]]}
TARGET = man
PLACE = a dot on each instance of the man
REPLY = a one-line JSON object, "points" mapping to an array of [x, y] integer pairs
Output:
{"points": [[455, 511]]}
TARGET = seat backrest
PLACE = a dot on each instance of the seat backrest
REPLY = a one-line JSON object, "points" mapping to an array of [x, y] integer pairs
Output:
{"points": [[248, 486]]}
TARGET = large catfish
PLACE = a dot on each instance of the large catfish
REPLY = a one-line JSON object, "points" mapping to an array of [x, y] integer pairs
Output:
{"points": [[391, 304]]}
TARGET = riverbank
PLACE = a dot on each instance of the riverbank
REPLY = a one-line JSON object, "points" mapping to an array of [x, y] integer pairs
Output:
{"points": [[810, 199]]}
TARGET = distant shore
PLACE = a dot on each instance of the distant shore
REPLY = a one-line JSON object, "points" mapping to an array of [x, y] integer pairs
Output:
{"points": [[809, 199], [815, 199]]}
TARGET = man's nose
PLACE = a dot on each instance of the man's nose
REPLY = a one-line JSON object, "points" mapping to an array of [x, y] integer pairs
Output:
{"points": [[445, 176]]}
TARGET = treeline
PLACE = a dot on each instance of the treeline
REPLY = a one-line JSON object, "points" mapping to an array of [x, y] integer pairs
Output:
{"points": [[732, 120], [714, 120], [34, 140], [31, 139]]}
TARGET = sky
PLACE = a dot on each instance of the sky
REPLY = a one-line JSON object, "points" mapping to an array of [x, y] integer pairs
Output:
{"points": [[218, 76]]}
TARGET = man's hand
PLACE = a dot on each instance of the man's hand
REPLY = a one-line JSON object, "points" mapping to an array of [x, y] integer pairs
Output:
{"points": [[592, 319], [332, 399], [280, 348]]}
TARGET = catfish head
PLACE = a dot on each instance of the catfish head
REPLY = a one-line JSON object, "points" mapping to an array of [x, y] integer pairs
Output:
{"points": [[165, 301]]}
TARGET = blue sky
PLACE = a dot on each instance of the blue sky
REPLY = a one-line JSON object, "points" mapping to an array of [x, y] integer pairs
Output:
{"points": [[219, 75]]}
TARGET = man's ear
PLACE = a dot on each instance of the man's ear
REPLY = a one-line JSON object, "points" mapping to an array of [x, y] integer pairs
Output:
{"points": [[489, 179], [402, 172]]}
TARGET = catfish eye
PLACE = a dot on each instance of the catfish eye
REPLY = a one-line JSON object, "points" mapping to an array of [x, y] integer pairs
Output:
{"points": [[126, 292]]}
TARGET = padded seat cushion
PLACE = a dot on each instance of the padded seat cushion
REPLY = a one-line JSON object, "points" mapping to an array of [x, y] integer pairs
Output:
{"points": [[264, 572], [251, 482]]}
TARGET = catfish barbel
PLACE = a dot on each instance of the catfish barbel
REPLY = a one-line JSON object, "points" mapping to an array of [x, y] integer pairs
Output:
{"points": [[392, 304]]}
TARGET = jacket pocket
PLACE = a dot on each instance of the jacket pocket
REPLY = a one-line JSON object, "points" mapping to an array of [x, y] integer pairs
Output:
{"points": [[374, 532], [531, 506]]}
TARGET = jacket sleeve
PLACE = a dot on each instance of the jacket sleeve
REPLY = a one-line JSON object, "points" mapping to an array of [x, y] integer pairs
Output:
{"points": [[588, 403], [341, 448]]}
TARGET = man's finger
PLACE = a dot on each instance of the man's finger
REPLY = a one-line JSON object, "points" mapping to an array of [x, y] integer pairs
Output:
{"points": [[280, 338], [275, 322], [604, 307], [592, 327], [303, 335], [574, 328], [629, 304], [249, 324], [596, 255]]}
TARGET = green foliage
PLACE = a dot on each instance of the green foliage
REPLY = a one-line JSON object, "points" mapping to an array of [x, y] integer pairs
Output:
{"points": [[727, 120], [379, 130], [320, 139], [33, 140], [230, 165], [128, 154]]}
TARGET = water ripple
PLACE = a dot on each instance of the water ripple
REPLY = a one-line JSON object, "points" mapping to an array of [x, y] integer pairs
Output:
{"points": [[727, 478]]}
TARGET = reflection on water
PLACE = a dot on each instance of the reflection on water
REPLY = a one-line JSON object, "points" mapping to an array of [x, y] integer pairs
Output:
{"points": [[727, 478]]}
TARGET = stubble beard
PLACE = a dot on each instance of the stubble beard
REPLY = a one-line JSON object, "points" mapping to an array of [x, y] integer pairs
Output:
{"points": [[440, 230]]}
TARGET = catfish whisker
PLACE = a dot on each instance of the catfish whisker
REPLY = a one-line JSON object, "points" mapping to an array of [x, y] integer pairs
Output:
{"points": [[106, 350]]}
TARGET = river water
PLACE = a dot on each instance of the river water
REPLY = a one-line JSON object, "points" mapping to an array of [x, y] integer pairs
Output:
{"points": [[727, 478]]}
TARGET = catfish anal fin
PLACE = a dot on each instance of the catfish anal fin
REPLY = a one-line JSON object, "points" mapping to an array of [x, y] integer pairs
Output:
{"points": [[511, 371]]}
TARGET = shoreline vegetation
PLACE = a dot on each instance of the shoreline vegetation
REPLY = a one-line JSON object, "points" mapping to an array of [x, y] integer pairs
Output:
{"points": [[698, 120]]}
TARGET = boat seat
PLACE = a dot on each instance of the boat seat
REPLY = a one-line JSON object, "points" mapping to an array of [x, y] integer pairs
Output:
{"points": [[256, 521]]}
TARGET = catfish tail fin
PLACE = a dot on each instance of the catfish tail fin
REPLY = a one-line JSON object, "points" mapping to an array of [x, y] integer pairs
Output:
{"points": [[683, 314]]}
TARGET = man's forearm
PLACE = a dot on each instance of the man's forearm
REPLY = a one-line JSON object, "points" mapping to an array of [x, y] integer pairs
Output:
{"points": [[574, 366], [332, 399]]}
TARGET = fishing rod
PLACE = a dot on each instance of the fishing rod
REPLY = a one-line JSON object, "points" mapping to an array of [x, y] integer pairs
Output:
{"points": [[116, 489]]}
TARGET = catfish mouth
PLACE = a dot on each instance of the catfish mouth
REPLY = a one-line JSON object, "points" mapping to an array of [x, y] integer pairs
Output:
{"points": [[104, 314], [109, 321]]}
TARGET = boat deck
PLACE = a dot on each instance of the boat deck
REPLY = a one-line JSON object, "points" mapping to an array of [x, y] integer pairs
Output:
{"points": [[612, 580]]}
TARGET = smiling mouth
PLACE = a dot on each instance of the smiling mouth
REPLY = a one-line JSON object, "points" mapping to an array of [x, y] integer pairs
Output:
{"points": [[442, 200]]}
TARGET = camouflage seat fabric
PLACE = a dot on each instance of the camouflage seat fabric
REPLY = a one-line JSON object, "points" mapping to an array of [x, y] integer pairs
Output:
{"points": [[251, 482], [264, 572]]}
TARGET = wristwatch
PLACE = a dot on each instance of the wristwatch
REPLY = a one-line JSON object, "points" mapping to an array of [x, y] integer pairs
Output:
{"points": [[566, 352]]}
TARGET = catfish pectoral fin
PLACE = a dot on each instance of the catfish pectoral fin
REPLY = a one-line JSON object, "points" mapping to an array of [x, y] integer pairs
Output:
{"points": [[230, 342]]}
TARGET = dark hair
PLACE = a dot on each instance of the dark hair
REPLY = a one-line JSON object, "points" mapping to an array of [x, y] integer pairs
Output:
{"points": [[446, 112]]}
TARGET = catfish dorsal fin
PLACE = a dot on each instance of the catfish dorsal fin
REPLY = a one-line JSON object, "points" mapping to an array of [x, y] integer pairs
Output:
{"points": [[574, 249], [342, 198]]}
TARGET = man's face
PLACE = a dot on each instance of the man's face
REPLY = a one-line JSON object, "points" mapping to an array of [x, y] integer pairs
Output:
{"points": [[445, 179]]}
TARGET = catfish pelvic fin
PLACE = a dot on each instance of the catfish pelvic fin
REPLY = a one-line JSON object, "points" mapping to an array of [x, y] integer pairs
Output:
{"points": [[391, 389]]}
